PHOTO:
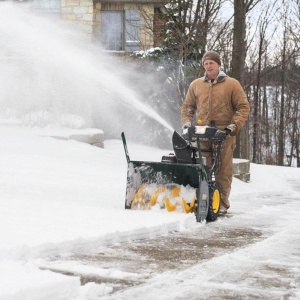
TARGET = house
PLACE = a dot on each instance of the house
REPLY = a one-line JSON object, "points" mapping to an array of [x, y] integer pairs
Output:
{"points": [[120, 25]]}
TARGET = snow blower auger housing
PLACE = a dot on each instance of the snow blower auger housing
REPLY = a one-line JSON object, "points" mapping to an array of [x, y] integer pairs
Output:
{"points": [[181, 181]]}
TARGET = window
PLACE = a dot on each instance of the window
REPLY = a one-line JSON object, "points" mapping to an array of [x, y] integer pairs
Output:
{"points": [[112, 30], [132, 30], [120, 30]]}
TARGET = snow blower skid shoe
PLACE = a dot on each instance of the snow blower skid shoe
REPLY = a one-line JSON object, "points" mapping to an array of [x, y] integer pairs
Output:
{"points": [[180, 182]]}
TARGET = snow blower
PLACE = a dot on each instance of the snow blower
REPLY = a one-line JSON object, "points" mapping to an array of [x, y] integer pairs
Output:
{"points": [[181, 181]]}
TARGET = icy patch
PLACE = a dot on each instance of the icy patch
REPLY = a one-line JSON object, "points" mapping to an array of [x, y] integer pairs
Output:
{"points": [[75, 268]]}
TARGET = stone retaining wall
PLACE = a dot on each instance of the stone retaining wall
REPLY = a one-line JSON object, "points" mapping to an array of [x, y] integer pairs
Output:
{"points": [[241, 169], [79, 10]]}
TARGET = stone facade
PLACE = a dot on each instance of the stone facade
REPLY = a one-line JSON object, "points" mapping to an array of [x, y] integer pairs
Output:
{"points": [[87, 14], [81, 11]]}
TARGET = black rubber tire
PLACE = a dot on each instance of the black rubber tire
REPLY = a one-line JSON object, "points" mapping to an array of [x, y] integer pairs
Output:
{"points": [[214, 202]]}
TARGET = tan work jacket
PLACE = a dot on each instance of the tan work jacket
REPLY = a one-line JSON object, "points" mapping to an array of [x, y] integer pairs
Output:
{"points": [[223, 101]]}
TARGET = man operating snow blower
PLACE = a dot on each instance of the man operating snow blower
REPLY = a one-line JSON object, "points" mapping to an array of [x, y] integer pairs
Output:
{"points": [[219, 99]]}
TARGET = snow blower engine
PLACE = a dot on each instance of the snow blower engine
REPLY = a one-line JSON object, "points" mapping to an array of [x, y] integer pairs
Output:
{"points": [[181, 181]]}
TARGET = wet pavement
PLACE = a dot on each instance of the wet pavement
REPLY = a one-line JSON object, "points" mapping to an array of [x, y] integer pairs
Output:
{"points": [[175, 251]]}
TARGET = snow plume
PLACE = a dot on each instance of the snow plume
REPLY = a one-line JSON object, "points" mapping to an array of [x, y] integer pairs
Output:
{"points": [[53, 75]]}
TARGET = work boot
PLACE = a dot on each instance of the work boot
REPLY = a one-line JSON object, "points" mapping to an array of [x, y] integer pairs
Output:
{"points": [[222, 210]]}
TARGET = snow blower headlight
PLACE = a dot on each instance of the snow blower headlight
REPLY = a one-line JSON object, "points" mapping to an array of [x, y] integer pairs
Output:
{"points": [[200, 129]]}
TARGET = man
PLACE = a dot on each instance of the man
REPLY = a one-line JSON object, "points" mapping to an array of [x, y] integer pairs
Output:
{"points": [[219, 98]]}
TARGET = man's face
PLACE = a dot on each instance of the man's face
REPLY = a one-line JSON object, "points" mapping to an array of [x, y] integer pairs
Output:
{"points": [[211, 68]]}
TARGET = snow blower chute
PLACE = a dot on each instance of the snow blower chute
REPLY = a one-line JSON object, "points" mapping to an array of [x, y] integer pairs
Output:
{"points": [[181, 181]]}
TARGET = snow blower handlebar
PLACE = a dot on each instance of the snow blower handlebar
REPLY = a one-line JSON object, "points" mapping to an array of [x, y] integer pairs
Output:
{"points": [[196, 134], [204, 133], [125, 147]]}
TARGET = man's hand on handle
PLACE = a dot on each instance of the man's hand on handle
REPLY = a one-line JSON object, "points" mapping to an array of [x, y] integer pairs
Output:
{"points": [[186, 125], [231, 129]]}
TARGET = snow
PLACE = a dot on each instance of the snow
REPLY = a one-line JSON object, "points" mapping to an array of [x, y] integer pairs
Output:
{"points": [[61, 196]]}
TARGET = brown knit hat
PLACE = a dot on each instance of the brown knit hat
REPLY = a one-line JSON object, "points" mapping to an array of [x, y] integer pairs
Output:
{"points": [[213, 56]]}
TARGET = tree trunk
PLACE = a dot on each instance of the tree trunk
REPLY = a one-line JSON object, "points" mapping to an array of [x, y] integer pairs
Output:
{"points": [[237, 67], [280, 161]]}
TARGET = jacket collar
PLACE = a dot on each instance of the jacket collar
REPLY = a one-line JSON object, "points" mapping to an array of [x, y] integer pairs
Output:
{"points": [[219, 78]]}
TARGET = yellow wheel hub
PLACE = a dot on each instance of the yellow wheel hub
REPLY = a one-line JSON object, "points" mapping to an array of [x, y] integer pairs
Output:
{"points": [[216, 199]]}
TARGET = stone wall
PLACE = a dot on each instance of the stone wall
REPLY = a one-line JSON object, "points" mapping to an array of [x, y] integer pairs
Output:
{"points": [[86, 15], [241, 169], [147, 16], [79, 10]]}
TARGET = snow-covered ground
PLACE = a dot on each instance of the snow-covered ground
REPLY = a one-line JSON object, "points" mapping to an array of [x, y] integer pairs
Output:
{"points": [[63, 197], [60, 197]]}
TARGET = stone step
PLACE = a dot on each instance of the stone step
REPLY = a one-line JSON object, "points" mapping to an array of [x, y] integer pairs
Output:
{"points": [[241, 169]]}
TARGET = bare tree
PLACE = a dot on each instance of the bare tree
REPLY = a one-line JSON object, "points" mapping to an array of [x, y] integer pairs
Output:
{"points": [[188, 24], [289, 51], [293, 88], [260, 104], [275, 87], [185, 28], [241, 8]]}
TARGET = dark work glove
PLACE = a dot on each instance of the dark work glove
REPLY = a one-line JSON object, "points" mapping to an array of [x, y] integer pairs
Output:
{"points": [[231, 129], [186, 125]]}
